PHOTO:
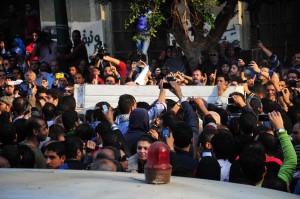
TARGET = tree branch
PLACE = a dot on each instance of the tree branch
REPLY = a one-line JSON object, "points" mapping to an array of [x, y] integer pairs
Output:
{"points": [[221, 23]]}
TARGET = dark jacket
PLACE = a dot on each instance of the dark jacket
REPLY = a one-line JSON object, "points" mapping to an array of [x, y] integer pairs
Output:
{"points": [[138, 126]]}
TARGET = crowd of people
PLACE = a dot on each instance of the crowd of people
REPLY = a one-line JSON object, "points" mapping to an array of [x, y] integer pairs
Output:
{"points": [[254, 141]]}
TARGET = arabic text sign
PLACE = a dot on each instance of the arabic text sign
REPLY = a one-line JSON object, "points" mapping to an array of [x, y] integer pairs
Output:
{"points": [[91, 33]]}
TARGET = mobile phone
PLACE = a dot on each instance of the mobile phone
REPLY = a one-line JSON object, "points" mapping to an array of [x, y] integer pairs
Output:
{"points": [[298, 84], [104, 108], [230, 100], [29, 91], [263, 117], [292, 83], [271, 72], [59, 75], [170, 79], [279, 93], [166, 132], [24, 87], [167, 85]]}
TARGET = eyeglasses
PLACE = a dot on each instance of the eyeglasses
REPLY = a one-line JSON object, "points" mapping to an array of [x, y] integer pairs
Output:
{"points": [[212, 54], [5, 64]]}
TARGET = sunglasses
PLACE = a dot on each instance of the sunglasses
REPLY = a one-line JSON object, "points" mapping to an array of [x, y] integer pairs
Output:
{"points": [[123, 158], [212, 54], [68, 91]]}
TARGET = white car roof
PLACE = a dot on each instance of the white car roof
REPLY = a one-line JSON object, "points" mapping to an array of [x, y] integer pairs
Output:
{"points": [[37, 184]]}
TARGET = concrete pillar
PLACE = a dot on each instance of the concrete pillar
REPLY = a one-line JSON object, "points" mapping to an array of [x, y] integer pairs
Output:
{"points": [[64, 43]]}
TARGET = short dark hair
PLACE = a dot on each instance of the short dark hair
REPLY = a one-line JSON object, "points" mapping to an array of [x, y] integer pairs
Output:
{"points": [[206, 136], [247, 122], [69, 118], [269, 142], [55, 93], [233, 108], [183, 134], [20, 105], [84, 131], [114, 150], [48, 111], [77, 32], [108, 137], [143, 105], [72, 144], [55, 131], [32, 124], [41, 89], [259, 89], [57, 147], [126, 101], [66, 103], [111, 76], [253, 162], [294, 71], [223, 145], [226, 78]]}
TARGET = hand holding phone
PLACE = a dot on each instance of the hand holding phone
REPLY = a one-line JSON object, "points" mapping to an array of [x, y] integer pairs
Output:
{"points": [[166, 132], [59, 75], [105, 108], [263, 117]]}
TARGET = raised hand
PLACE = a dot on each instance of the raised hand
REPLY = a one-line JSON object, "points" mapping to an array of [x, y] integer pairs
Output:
{"points": [[212, 78], [204, 79]]}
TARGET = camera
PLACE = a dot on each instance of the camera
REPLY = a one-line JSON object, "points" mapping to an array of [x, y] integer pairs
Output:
{"points": [[167, 85], [292, 83], [263, 117], [170, 79], [25, 89], [101, 50]]}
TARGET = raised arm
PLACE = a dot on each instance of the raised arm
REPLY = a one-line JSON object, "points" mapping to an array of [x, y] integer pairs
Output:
{"points": [[289, 154]]}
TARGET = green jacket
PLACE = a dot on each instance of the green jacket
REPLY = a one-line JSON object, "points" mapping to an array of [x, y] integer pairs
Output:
{"points": [[289, 158]]}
